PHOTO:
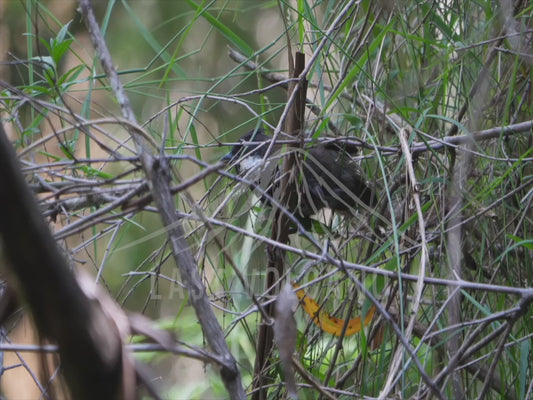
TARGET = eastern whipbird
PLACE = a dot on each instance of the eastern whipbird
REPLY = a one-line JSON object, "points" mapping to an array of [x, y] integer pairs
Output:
{"points": [[328, 178]]}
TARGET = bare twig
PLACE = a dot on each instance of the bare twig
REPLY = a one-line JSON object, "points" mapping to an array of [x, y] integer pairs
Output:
{"points": [[393, 368], [158, 173]]}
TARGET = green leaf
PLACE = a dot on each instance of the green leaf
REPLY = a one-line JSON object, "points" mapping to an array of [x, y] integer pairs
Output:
{"points": [[52, 156], [60, 49], [46, 45], [527, 243], [68, 147], [46, 62], [234, 38], [525, 354], [356, 122], [318, 227], [63, 32], [194, 138], [92, 172], [70, 77]]}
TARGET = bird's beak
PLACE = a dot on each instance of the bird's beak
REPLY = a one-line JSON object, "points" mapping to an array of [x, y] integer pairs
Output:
{"points": [[227, 158]]}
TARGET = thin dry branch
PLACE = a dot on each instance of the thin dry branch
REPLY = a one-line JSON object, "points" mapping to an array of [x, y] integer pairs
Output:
{"points": [[395, 364], [158, 173], [453, 140]]}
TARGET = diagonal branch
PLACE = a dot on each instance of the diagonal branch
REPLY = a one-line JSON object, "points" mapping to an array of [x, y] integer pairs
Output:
{"points": [[157, 170]]}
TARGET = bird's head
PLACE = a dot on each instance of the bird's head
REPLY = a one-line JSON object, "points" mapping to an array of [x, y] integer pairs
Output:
{"points": [[248, 154]]}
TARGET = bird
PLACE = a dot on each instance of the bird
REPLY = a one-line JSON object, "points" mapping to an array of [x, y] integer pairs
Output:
{"points": [[328, 176]]}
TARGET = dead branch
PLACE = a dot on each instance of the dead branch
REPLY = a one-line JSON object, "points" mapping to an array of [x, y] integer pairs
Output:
{"points": [[158, 173]]}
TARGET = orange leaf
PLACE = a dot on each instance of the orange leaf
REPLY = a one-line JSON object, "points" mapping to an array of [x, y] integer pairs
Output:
{"points": [[325, 321]]}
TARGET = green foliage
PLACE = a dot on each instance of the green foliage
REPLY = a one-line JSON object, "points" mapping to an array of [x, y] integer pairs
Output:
{"points": [[376, 69]]}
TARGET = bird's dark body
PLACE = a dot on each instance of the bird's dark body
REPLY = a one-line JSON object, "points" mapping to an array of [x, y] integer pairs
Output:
{"points": [[330, 177]]}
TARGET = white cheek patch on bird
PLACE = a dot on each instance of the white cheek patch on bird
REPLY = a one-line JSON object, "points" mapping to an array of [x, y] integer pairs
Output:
{"points": [[251, 163]]}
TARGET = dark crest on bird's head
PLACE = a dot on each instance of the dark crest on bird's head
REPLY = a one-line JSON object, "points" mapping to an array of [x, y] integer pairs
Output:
{"points": [[249, 152]]}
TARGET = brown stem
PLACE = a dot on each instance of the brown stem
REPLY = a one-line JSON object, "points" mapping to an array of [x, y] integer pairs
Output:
{"points": [[280, 229]]}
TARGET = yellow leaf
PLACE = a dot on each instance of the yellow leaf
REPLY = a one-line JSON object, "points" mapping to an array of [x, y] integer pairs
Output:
{"points": [[325, 321]]}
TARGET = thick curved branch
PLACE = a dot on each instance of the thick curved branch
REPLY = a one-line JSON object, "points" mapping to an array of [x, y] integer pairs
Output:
{"points": [[89, 342]]}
